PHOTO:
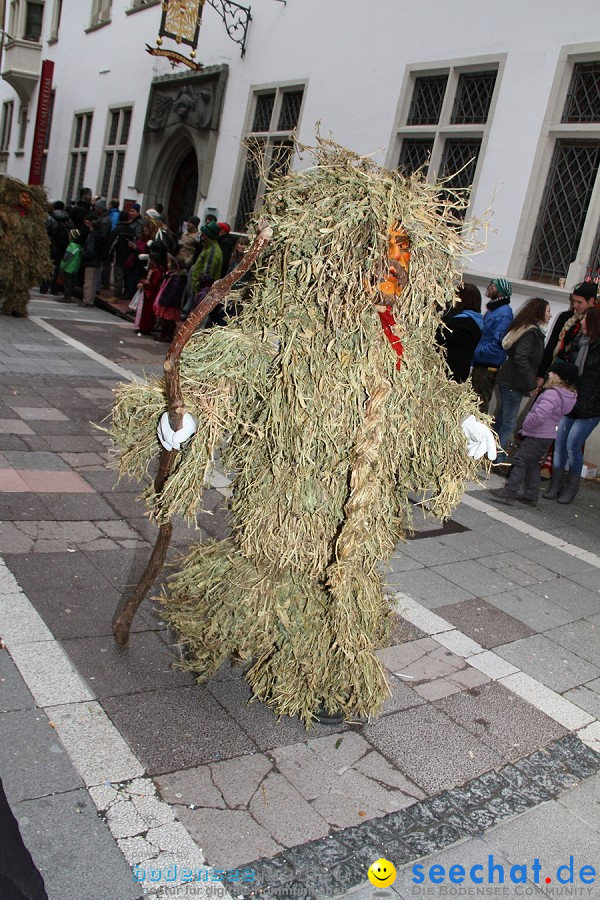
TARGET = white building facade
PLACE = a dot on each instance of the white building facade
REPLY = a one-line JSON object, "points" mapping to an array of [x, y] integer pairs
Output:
{"points": [[506, 95]]}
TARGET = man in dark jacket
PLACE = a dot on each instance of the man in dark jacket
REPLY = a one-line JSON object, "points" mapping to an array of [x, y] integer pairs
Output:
{"points": [[58, 226], [95, 252], [489, 354], [567, 326]]}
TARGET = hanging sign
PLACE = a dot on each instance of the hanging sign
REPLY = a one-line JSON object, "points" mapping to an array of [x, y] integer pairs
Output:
{"points": [[41, 122], [180, 22]]}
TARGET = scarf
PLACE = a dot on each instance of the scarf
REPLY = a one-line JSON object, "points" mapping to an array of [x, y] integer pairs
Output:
{"points": [[582, 346]]}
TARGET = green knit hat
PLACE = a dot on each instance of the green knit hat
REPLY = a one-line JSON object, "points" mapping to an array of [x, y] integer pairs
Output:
{"points": [[504, 286]]}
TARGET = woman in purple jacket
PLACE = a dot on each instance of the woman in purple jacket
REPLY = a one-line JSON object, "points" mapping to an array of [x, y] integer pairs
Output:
{"points": [[539, 430]]}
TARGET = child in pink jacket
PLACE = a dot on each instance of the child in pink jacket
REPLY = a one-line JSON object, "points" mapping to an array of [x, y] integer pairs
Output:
{"points": [[556, 400]]}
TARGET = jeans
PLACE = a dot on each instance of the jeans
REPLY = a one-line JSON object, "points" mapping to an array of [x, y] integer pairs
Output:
{"points": [[507, 413], [570, 438]]}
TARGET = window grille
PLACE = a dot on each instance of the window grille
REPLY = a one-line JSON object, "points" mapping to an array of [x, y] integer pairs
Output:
{"points": [[270, 146], [23, 113], [81, 141], [7, 118], [415, 154], [459, 162], [264, 112], [427, 100], [119, 121], [583, 96], [34, 14], [563, 211], [473, 98]]}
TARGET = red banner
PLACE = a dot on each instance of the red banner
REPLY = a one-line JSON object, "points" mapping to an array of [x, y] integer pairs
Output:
{"points": [[41, 122]]}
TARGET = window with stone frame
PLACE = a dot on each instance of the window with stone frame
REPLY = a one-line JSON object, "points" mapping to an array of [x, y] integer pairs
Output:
{"points": [[8, 108], [275, 114], [34, 17], [117, 136], [566, 211], [445, 123], [56, 17], [23, 122], [80, 142], [101, 10]]}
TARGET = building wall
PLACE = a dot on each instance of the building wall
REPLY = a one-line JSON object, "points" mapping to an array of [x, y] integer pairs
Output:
{"points": [[354, 59]]}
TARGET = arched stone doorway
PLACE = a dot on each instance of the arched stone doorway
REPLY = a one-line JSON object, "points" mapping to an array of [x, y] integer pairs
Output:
{"points": [[182, 200]]}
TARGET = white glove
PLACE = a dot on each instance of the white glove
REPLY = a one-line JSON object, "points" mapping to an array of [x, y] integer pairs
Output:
{"points": [[480, 437], [174, 440]]}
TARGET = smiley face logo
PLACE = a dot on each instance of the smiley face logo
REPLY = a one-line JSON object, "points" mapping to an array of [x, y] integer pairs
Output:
{"points": [[382, 873]]}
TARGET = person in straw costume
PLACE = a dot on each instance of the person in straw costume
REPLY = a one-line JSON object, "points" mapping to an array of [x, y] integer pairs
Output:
{"points": [[332, 404]]}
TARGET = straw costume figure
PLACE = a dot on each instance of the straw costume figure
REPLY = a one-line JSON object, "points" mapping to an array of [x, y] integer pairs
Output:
{"points": [[25, 257], [331, 404]]}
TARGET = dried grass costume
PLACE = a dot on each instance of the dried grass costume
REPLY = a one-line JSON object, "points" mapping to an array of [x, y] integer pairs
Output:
{"points": [[25, 256], [327, 430]]}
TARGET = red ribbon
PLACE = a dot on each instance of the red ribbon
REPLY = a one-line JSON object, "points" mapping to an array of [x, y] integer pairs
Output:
{"points": [[387, 321]]}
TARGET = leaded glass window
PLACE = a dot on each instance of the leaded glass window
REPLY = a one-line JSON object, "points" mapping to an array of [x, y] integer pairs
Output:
{"points": [[415, 154], [459, 163], [583, 96], [82, 128], [270, 146], [118, 126], [427, 100], [473, 98], [563, 211]]}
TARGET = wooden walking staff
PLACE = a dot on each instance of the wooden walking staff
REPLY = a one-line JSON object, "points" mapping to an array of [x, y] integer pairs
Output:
{"points": [[128, 606]]}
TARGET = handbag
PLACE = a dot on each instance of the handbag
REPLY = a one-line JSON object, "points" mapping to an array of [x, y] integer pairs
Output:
{"points": [[136, 299]]}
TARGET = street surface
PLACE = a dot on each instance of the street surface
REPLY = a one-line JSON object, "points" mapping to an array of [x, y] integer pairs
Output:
{"points": [[113, 759]]}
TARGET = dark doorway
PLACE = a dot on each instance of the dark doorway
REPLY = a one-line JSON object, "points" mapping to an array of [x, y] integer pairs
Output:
{"points": [[182, 202]]}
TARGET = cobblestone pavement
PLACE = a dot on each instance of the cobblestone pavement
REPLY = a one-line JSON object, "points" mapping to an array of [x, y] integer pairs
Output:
{"points": [[487, 745]]}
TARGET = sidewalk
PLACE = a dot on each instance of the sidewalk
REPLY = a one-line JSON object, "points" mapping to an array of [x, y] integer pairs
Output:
{"points": [[494, 670]]}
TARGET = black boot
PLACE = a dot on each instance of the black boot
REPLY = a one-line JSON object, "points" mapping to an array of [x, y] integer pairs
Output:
{"points": [[556, 484], [569, 492]]}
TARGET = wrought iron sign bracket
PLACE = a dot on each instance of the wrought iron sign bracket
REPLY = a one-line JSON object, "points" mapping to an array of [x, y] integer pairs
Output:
{"points": [[236, 18]]}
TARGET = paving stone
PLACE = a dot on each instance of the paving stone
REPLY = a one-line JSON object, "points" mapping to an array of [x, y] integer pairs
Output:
{"points": [[36, 461], [581, 638], [49, 674], [194, 728], [229, 838], [547, 700], [510, 726], [49, 481], [551, 833], [492, 665], [78, 507], [11, 442], [285, 814], [589, 580], [430, 588], [537, 613], [422, 660], [14, 426], [546, 770], [145, 664], [453, 754], [553, 665], [14, 693], [48, 414], [60, 830], [229, 784], [556, 560], [400, 562], [429, 551], [573, 597], [484, 623], [583, 802], [71, 595], [13, 539], [259, 721], [474, 579], [70, 444], [577, 756], [416, 614], [402, 696], [587, 697], [20, 621], [33, 760]]}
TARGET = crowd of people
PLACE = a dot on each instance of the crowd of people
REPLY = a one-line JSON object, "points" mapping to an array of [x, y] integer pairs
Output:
{"points": [[545, 389], [164, 275]]}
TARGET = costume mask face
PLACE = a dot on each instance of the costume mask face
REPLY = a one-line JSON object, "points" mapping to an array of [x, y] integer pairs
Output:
{"points": [[398, 262], [25, 201]]}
